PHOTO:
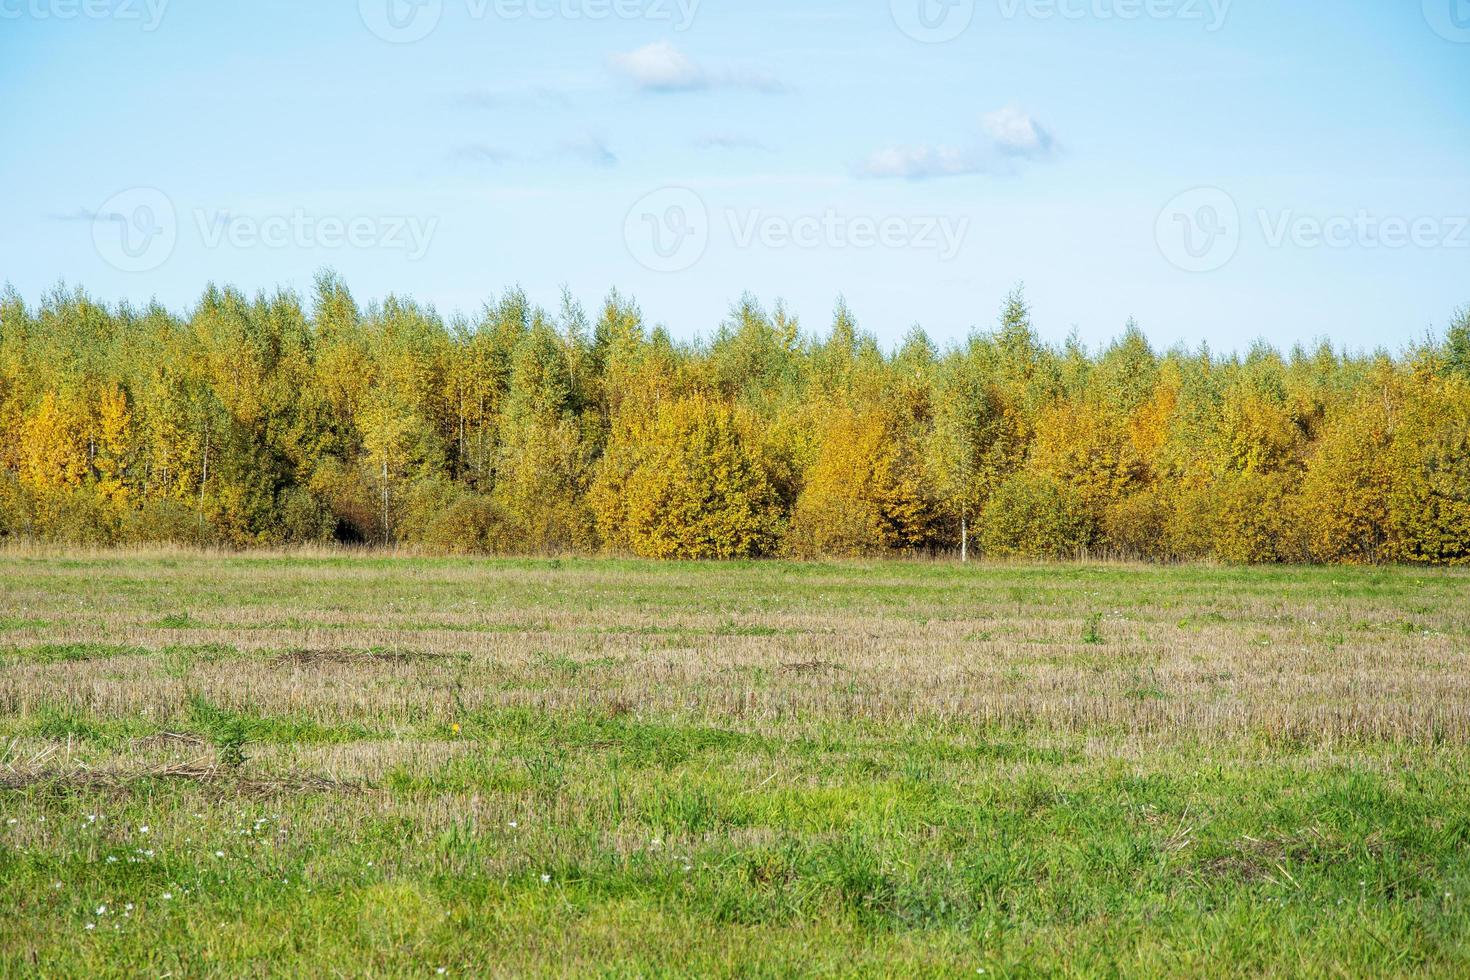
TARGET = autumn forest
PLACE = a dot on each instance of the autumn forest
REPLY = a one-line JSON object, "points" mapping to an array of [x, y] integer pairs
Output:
{"points": [[276, 420]]}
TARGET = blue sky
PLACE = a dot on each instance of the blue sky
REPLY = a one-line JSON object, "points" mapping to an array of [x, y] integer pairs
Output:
{"points": [[1223, 171]]}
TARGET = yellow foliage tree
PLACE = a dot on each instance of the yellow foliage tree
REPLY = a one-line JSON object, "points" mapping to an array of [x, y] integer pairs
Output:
{"points": [[864, 494], [113, 439], [1342, 506], [53, 454], [1429, 506], [1084, 446], [1250, 519], [686, 485]]}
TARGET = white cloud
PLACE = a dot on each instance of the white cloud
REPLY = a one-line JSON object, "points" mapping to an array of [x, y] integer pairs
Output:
{"points": [[1010, 134], [916, 163], [1015, 132], [662, 68]]}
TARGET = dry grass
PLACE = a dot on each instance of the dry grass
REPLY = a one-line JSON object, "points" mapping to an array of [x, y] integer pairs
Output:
{"points": [[832, 752], [1315, 666]]}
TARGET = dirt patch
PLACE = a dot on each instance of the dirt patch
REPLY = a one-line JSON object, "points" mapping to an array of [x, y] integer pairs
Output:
{"points": [[169, 740], [1252, 859], [813, 667], [200, 773], [333, 656]]}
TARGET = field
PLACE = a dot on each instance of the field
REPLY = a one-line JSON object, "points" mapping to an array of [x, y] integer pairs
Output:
{"points": [[328, 765]]}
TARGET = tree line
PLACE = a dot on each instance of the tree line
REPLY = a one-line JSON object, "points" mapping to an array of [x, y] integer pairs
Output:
{"points": [[269, 421]]}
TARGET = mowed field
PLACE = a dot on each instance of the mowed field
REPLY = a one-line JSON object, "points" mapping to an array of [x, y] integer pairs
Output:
{"points": [[322, 766]]}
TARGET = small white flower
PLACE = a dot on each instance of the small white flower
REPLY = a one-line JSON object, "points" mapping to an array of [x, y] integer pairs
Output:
{"points": [[441, 971], [168, 896], [128, 907], [219, 854], [512, 825], [143, 829], [111, 859], [91, 926], [102, 910], [545, 879]]}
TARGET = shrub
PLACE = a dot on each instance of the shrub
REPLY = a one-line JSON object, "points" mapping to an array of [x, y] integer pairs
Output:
{"points": [[444, 518], [163, 521], [1342, 507], [1251, 519], [1137, 525], [1429, 505], [694, 489], [864, 494], [305, 519], [1033, 516]]}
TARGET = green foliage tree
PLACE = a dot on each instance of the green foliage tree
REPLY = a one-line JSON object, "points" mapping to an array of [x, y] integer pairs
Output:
{"points": [[1034, 516]]}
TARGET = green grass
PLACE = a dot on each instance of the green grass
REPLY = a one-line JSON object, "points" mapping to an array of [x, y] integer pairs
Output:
{"points": [[362, 766]]}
